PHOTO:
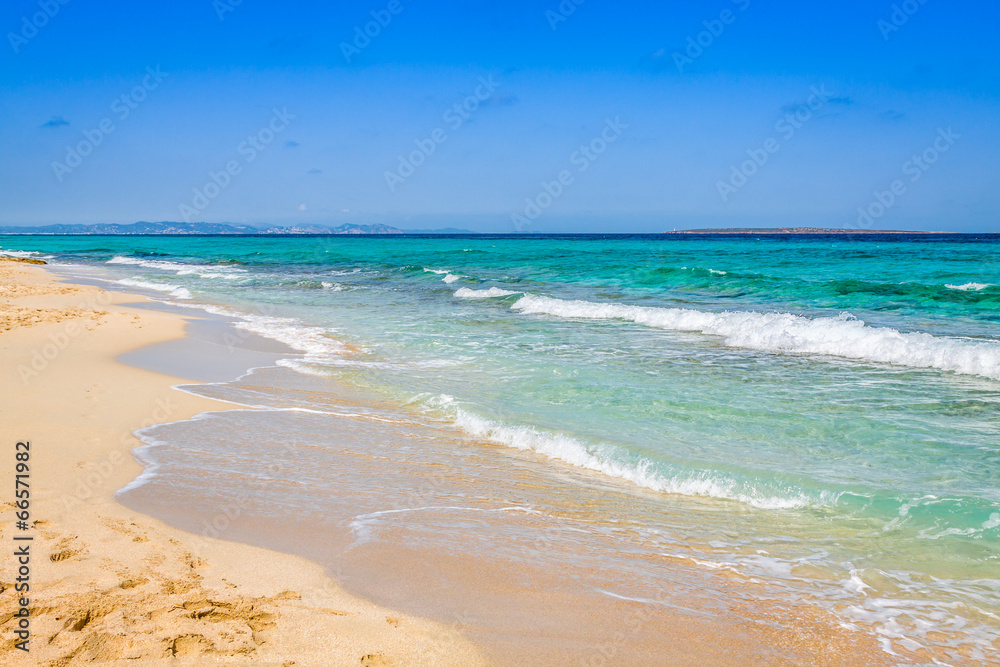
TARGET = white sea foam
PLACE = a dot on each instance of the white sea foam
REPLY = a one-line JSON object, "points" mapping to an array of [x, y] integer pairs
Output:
{"points": [[988, 525], [899, 621], [975, 287], [150, 466], [150, 463], [855, 585], [491, 293], [313, 341], [561, 447], [172, 290], [363, 525], [200, 270], [841, 336]]}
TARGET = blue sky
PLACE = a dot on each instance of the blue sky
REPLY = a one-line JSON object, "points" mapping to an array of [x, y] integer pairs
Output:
{"points": [[614, 117]]}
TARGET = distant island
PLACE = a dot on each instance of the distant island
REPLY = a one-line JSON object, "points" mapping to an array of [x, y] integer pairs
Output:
{"points": [[794, 230], [211, 228]]}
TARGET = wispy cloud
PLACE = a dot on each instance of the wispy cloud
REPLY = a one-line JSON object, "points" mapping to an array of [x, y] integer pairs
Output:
{"points": [[55, 121], [794, 107], [500, 100]]}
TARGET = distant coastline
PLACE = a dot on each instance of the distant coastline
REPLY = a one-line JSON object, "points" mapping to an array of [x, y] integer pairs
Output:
{"points": [[796, 230], [214, 229]]}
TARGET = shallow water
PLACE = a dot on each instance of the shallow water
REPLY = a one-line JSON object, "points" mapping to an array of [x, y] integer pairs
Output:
{"points": [[817, 414]]}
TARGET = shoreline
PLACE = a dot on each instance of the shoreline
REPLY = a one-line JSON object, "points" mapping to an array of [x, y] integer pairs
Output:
{"points": [[111, 585], [770, 638]]}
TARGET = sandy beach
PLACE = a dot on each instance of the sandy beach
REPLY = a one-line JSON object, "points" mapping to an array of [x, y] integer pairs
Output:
{"points": [[538, 334], [111, 586]]}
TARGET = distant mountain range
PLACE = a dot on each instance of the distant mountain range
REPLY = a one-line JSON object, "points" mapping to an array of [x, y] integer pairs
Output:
{"points": [[152, 228]]}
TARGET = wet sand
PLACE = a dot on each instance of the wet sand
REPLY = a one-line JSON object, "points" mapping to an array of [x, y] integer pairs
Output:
{"points": [[443, 536]]}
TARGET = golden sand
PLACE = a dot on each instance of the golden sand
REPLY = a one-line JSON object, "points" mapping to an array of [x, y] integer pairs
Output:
{"points": [[111, 586]]}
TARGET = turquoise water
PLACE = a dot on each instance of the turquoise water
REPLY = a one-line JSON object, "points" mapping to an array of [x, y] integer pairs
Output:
{"points": [[841, 396]]}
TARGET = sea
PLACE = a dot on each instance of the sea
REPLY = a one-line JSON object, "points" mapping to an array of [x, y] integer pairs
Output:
{"points": [[814, 419]]}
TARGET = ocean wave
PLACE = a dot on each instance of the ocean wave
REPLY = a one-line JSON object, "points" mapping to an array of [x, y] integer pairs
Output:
{"points": [[695, 270], [643, 473], [449, 277], [842, 336], [200, 270], [24, 254], [174, 290], [491, 293], [907, 291], [315, 344], [318, 284]]}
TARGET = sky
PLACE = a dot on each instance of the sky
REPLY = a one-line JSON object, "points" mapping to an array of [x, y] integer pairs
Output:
{"points": [[537, 116]]}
